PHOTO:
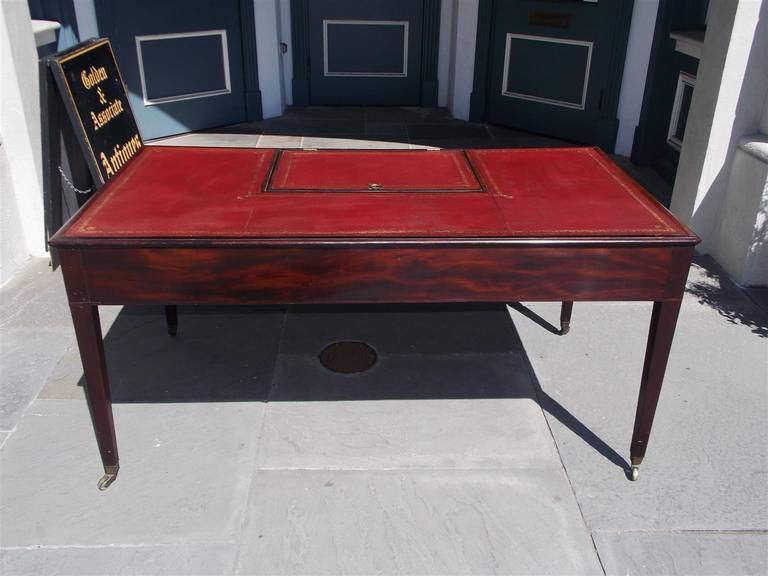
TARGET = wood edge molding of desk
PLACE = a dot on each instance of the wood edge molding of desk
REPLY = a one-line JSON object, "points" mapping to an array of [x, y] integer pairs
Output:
{"points": [[369, 274]]}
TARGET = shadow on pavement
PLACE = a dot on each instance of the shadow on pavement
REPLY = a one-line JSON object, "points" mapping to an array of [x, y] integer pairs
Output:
{"points": [[455, 351], [557, 410], [715, 289]]}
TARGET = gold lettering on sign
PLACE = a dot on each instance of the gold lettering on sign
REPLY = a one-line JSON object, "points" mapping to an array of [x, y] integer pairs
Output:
{"points": [[93, 76], [105, 163], [121, 153], [113, 110]]}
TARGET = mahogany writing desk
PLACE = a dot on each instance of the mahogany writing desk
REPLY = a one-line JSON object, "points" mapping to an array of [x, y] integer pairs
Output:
{"points": [[255, 226]]}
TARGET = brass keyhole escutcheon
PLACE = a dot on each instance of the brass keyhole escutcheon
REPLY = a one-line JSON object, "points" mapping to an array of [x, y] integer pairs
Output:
{"points": [[375, 186]]}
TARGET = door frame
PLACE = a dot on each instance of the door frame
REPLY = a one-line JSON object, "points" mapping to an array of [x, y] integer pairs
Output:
{"points": [[649, 147], [608, 122], [430, 40]]}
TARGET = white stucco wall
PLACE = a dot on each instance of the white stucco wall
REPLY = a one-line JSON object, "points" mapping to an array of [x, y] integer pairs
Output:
{"points": [[445, 51], [267, 16], [764, 121], [286, 60], [740, 242], [741, 238], [13, 245], [23, 230], [87, 24], [461, 67], [712, 191], [635, 71], [709, 143]]}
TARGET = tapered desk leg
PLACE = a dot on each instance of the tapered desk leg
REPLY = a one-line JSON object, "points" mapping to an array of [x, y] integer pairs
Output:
{"points": [[662, 330], [565, 317], [172, 319], [88, 331]]}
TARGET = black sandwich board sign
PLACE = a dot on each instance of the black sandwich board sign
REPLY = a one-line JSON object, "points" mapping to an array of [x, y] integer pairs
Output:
{"points": [[97, 104]]}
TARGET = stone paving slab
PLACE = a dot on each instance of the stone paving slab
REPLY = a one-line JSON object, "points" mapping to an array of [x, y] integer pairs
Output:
{"points": [[303, 126], [706, 464], [35, 330], [219, 354], [683, 553], [456, 130], [322, 112], [392, 129], [364, 142], [280, 141], [199, 559], [65, 381], [186, 469], [407, 115], [29, 355], [430, 522], [208, 139], [35, 297], [386, 434]]}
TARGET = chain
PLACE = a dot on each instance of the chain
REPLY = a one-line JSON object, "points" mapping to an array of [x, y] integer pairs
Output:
{"points": [[69, 183]]}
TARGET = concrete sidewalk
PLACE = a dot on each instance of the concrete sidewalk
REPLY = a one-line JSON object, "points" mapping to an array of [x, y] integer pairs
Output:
{"points": [[481, 442]]}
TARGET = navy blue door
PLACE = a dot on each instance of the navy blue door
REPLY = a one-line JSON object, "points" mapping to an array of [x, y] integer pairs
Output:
{"points": [[556, 66], [181, 62], [365, 52]]}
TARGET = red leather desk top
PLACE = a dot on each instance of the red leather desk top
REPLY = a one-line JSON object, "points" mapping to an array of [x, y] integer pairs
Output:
{"points": [[179, 192]]}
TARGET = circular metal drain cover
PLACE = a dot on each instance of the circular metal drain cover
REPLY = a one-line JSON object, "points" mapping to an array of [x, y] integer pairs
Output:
{"points": [[348, 357]]}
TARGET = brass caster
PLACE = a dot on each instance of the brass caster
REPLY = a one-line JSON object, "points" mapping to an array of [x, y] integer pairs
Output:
{"points": [[110, 474], [635, 474], [565, 327]]}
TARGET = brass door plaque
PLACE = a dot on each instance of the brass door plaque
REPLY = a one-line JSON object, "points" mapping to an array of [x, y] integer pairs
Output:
{"points": [[549, 19]]}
